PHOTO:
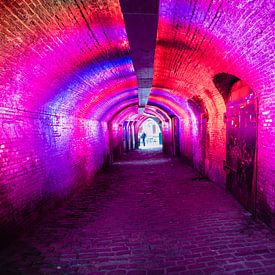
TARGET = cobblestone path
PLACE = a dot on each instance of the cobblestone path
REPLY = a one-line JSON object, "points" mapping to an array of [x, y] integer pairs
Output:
{"points": [[146, 215]]}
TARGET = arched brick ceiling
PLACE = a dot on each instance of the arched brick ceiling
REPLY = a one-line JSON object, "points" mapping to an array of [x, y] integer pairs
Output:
{"points": [[109, 98], [128, 113], [170, 106], [119, 115], [157, 112], [74, 56], [199, 39], [64, 56], [118, 107]]}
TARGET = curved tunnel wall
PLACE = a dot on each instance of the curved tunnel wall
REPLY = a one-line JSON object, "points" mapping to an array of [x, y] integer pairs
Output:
{"points": [[66, 70], [198, 40], [63, 65]]}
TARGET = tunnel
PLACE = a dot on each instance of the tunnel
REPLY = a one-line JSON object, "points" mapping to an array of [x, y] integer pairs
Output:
{"points": [[79, 79]]}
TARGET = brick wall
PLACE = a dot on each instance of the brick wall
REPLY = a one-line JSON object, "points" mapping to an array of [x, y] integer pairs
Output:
{"points": [[43, 158], [62, 62], [116, 140], [63, 65], [199, 39]]}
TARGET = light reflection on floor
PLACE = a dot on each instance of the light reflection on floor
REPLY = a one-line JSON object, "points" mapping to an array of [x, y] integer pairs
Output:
{"points": [[150, 146], [153, 155]]}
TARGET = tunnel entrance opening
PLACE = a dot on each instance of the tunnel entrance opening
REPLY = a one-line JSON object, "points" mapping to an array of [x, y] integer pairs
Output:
{"points": [[150, 134], [241, 144]]}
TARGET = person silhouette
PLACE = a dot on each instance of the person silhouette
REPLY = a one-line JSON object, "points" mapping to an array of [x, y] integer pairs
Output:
{"points": [[143, 136]]}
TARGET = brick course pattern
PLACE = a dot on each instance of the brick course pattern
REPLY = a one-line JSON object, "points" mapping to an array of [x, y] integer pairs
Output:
{"points": [[146, 215], [66, 70], [43, 158], [63, 65], [200, 39]]}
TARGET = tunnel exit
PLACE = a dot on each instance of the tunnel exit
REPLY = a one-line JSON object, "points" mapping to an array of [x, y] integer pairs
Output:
{"points": [[150, 134]]}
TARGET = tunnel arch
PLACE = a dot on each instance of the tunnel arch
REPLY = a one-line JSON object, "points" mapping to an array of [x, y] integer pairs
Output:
{"points": [[66, 70], [127, 115], [74, 67], [195, 42], [158, 112], [241, 120], [224, 83], [150, 133], [193, 127]]}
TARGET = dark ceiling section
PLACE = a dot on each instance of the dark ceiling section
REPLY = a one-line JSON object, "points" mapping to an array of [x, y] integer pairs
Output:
{"points": [[140, 6], [141, 20], [224, 82]]}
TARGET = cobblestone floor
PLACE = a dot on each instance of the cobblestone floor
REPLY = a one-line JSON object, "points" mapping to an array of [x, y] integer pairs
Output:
{"points": [[146, 215]]}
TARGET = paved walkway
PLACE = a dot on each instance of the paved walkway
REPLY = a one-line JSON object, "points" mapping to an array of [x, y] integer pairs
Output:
{"points": [[146, 215]]}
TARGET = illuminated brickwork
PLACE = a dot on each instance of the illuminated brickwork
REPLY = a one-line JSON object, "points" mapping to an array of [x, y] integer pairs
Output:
{"points": [[69, 91], [43, 158], [54, 49], [199, 39], [61, 63]]}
